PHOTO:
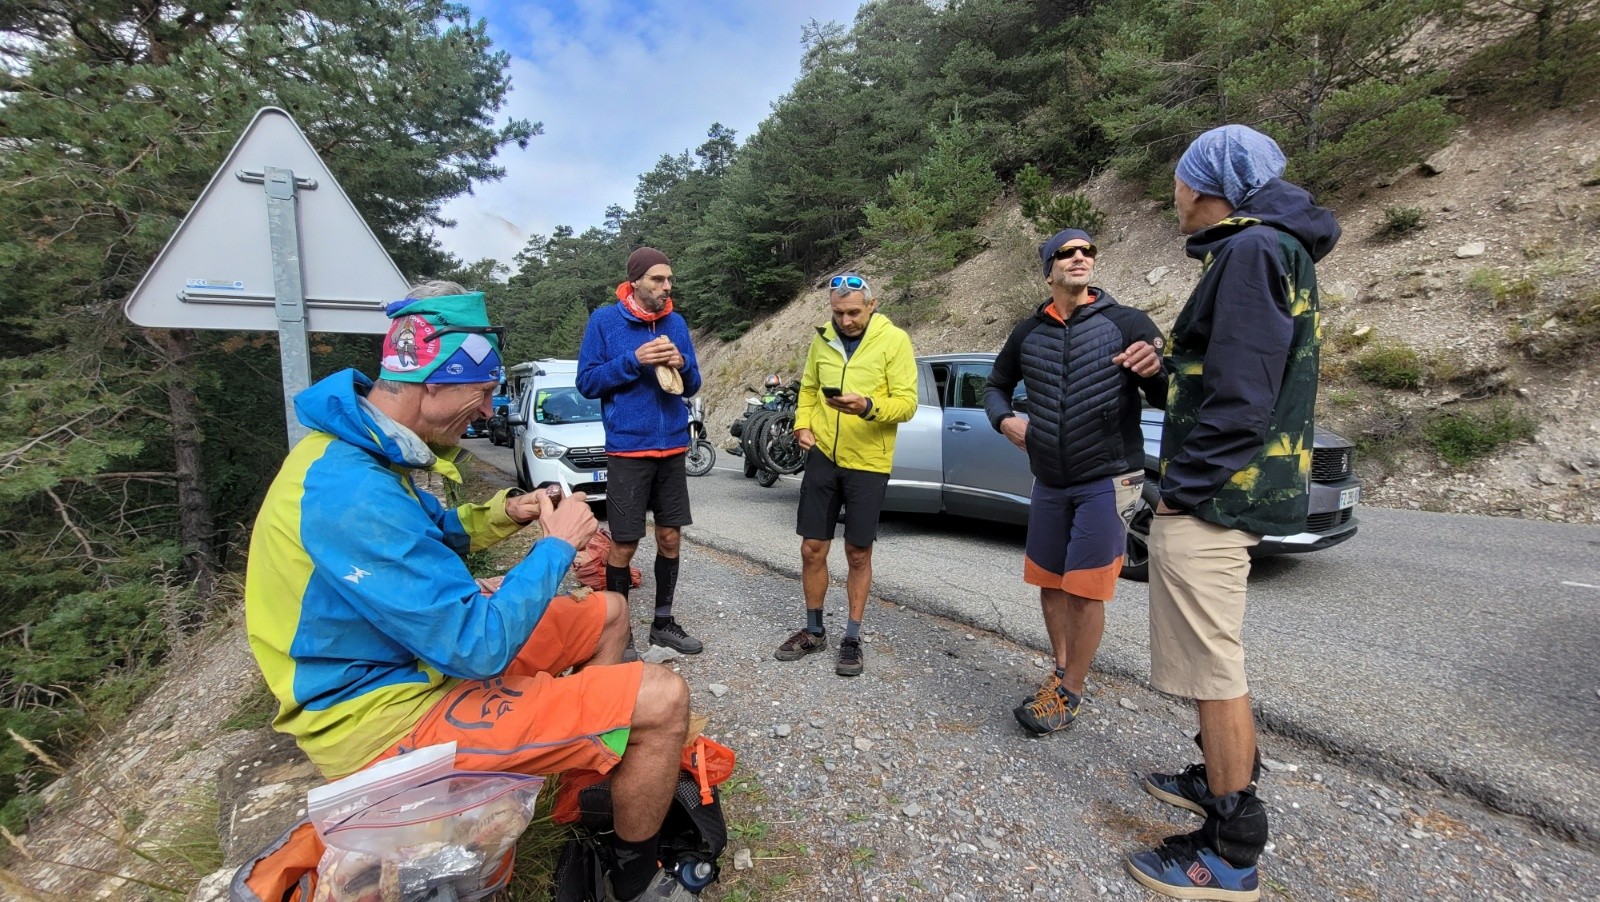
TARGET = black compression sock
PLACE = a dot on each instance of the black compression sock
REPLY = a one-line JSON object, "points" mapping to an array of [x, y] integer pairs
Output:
{"points": [[619, 579], [636, 865], [666, 587]]}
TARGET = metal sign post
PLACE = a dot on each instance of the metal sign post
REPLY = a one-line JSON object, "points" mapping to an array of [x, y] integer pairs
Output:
{"points": [[283, 231], [230, 267]]}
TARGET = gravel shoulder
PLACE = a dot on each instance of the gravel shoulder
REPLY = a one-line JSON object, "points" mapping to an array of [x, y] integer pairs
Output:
{"points": [[913, 781]]}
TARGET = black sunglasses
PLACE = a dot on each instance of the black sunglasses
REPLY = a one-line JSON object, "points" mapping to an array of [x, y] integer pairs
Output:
{"points": [[1067, 252], [498, 333]]}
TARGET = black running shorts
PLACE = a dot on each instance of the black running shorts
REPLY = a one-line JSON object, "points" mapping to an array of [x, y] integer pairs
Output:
{"points": [[825, 488], [637, 484]]}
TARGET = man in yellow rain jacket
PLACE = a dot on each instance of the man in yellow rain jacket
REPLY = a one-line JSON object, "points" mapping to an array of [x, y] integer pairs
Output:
{"points": [[860, 384]]}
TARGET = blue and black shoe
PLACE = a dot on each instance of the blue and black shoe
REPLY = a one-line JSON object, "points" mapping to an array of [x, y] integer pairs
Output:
{"points": [[1183, 867]]}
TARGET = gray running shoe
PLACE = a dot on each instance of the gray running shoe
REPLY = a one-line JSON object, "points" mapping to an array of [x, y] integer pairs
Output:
{"points": [[672, 636]]}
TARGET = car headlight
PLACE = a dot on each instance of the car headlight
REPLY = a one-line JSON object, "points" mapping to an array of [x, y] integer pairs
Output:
{"points": [[544, 449]]}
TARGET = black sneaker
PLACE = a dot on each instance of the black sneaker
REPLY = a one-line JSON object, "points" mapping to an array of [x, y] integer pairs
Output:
{"points": [[672, 636], [801, 644], [1188, 788], [1047, 713], [851, 658]]}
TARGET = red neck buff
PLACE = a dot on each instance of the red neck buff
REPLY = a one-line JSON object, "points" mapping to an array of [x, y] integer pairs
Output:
{"points": [[625, 297]]}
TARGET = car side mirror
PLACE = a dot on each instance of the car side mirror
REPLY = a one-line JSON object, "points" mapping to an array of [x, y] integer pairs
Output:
{"points": [[516, 420]]}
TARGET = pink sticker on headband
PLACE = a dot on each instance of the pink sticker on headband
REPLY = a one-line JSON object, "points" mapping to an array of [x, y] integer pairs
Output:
{"points": [[410, 345]]}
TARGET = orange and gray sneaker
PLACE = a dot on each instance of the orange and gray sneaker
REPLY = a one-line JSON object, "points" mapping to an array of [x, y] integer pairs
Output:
{"points": [[1050, 686], [1049, 712]]}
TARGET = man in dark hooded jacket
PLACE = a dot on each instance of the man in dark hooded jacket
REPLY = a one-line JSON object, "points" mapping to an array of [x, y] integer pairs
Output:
{"points": [[1235, 465]]}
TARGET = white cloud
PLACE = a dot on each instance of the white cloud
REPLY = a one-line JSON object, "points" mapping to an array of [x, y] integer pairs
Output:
{"points": [[617, 86]]}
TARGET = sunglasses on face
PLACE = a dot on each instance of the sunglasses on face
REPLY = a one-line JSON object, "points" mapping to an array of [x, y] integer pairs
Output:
{"points": [[850, 283], [1066, 253]]}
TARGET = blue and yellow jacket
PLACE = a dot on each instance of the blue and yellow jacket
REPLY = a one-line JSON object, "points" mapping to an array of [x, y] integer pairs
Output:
{"points": [[360, 608]]}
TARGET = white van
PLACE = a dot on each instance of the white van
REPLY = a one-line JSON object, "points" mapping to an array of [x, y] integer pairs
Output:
{"points": [[557, 434]]}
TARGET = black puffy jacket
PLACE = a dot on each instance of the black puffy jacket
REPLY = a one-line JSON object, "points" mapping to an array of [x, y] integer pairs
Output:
{"points": [[1083, 409]]}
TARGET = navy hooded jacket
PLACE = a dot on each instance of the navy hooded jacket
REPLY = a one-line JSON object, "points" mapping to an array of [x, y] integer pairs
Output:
{"points": [[1243, 366]]}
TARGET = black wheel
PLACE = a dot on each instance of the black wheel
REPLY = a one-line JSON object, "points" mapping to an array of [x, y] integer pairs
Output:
{"points": [[521, 466], [783, 453], [700, 458], [1136, 559], [766, 479], [752, 440]]}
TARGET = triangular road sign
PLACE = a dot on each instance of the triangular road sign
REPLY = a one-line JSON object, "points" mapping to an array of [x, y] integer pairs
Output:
{"points": [[216, 270]]}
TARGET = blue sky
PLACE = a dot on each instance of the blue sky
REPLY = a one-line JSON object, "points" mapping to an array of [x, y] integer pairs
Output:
{"points": [[617, 85]]}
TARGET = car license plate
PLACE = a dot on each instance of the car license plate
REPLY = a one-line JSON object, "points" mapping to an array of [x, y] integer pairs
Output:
{"points": [[600, 476], [1349, 497]]}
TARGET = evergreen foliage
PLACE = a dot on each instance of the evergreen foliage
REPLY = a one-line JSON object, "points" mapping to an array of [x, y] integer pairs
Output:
{"points": [[131, 460], [925, 227], [1051, 212]]}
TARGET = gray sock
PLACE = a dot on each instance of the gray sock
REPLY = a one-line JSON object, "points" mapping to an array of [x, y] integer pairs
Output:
{"points": [[852, 630], [814, 621]]}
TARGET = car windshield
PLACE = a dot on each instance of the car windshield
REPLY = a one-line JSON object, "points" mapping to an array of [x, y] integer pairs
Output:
{"points": [[555, 406]]}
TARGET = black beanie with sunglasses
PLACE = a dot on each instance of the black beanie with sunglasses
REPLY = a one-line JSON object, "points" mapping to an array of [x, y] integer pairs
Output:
{"points": [[1047, 251]]}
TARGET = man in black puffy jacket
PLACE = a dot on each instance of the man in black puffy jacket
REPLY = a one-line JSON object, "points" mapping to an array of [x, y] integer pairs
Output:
{"points": [[1084, 359]]}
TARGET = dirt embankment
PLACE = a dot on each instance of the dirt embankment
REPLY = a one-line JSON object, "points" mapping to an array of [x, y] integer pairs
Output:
{"points": [[1506, 241]]}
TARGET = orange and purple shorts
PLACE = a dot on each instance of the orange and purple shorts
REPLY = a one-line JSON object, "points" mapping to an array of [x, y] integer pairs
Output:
{"points": [[1076, 539], [531, 720]]}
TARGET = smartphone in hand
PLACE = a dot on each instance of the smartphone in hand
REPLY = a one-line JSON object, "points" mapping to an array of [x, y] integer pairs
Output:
{"points": [[831, 391]]}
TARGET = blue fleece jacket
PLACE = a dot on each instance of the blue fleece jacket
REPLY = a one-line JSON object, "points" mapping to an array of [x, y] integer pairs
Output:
{"points": [[638, 415]]}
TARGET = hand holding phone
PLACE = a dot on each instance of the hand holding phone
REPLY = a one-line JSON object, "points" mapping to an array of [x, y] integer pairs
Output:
{"points": [[831, 391]]}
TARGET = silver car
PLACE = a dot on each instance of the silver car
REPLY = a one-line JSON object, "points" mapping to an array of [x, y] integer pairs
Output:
{"points": [[949, 459]]}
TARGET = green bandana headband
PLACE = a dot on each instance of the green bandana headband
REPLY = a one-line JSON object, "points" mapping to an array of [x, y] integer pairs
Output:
{"points": [[444, 339]]}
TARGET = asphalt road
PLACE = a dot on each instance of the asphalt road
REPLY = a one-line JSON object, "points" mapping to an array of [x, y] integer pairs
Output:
{"points": [[1465, 649]]}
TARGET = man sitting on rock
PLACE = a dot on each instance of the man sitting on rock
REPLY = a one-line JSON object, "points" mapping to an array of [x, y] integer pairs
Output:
{"points": [[375, 637]]}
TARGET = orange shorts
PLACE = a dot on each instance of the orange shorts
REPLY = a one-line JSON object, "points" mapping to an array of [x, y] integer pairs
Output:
{"points": [[529, 720]]}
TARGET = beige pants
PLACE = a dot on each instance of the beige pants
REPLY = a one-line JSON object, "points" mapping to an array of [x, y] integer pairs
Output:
{"points": [[1198, 572]]}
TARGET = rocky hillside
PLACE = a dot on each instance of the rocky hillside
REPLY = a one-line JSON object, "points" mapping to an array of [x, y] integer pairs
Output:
{"points": [[1492, 292]]}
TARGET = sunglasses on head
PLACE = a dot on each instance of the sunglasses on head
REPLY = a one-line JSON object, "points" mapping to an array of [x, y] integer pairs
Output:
{"points": [[496, 333], [1066, 253], [850, 282]]}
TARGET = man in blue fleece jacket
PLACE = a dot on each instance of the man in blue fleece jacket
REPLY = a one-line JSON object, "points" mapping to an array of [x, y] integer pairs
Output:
{"points": [[638, 360], [1235, 465]]}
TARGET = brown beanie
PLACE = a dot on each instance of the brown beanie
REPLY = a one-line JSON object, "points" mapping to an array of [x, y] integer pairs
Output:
{"points": [[640, 261]]}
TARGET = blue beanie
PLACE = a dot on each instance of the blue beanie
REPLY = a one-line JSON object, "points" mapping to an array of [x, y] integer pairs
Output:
{"points": [[1048, 250], [1231, 161]]}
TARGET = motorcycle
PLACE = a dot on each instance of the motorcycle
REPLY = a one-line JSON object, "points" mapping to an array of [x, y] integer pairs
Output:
{"points": [[702, 455], [766, 435]]}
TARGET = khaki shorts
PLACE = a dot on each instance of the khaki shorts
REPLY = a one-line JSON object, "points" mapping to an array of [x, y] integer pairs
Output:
{"points": [[1198, 572]]}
